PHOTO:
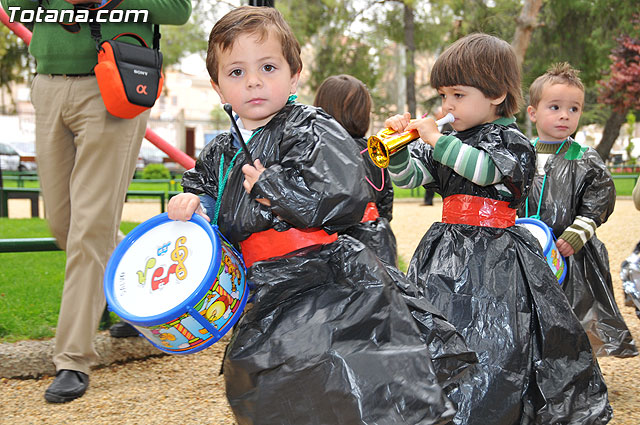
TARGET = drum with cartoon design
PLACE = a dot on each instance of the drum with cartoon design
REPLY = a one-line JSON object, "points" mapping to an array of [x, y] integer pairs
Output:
{"points": [[544, 235], [180, 284]]}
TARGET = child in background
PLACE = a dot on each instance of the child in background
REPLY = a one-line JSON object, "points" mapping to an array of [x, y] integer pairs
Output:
{"points": [[630, 267], [347, 100], [578, 195], [487, 275], [328, 338]]}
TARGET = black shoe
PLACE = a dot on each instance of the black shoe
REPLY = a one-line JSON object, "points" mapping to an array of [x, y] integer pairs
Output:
{"points": [[123, 330], [105, 320], [68, 385], [628, 301]]}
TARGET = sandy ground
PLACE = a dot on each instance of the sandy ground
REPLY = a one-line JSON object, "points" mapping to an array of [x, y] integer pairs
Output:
{"points": [[189, 389]]}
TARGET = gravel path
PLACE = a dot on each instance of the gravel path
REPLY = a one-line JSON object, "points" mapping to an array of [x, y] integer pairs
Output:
{"points": [[188, 389]]}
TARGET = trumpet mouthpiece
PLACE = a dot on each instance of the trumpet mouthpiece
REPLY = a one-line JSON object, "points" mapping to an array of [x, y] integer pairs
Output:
{"points": [[447, 119]]}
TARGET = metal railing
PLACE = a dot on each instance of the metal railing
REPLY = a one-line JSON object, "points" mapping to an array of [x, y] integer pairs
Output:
{"points": [[33, 194]]}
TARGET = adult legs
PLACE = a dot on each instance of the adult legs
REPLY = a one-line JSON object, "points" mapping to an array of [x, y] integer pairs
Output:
{"points": [[86, 160]]}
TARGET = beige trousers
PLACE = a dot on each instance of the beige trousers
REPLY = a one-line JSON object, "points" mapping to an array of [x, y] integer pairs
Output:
{"points": [[86, 159]]}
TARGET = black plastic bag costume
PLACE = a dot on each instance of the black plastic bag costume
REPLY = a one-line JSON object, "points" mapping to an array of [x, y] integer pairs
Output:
{"points": [[377, 234], [579, 184], [535, 361], [630, 276], [328, 338]]}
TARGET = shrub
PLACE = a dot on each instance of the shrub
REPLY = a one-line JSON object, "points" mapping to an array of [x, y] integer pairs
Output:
{"points": [[156, 171]]}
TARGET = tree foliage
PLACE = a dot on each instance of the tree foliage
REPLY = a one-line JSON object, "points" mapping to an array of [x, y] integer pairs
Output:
{"points": [[621, 90], [180, 41], [494, 17], [327, 26], [15, 63]]}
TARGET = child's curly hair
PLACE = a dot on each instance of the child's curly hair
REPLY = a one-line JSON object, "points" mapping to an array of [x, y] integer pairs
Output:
{"points": [[558, 73]]}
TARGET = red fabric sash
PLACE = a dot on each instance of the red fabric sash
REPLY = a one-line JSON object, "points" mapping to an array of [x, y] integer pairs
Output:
{"points": [[271, 243], [477, 211]]}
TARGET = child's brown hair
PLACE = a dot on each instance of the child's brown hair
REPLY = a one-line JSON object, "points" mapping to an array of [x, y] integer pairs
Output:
{"points": [[485, 62], [259, 21], [346, 99], [558, 73]]}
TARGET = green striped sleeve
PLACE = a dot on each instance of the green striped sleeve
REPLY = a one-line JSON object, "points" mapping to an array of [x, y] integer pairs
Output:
{"points": [[580, 231], [446, 150], [469, 162], [407, 172]]}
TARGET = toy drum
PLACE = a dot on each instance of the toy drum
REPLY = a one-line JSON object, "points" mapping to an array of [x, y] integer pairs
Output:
{"points": [[180, 284], [544, 235]]}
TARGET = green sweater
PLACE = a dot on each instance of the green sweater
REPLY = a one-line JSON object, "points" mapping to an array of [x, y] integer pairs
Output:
{"points": [[58, 51]]}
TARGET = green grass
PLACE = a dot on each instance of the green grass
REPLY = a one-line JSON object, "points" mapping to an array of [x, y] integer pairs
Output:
{"points": [[624, 186], [31, 283], [402, 265]]}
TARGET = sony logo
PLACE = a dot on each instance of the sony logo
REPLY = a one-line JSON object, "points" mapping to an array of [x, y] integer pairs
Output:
{"points": [[137, 71]]}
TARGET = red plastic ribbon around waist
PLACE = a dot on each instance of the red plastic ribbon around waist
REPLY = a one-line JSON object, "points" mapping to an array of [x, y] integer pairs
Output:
{"points": [[477, 211], [271, 243], [370, 213]]}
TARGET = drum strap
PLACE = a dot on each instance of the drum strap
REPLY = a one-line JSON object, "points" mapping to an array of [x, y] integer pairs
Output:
{"points": [[223, 176], [271, 243], [477, 211]]}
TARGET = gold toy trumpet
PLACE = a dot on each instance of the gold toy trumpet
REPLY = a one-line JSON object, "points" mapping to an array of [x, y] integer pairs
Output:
{"points": [[387, 142]]}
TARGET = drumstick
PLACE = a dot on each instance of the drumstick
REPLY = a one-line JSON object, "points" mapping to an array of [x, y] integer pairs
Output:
{"points": [[229, 110]]}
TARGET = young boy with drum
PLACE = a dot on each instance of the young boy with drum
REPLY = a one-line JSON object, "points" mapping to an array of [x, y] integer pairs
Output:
{"points": [[573, 193], [485, 273], [328, 338]]}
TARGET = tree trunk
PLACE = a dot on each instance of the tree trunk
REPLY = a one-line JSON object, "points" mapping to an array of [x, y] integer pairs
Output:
{"points": [[610, 133], [410, 73], [3, 108], [526, 23]]}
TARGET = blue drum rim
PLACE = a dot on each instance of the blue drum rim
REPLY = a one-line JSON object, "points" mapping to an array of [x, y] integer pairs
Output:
{"points": [[545, 251], [564, 271], [547, 232], [178, 310]]}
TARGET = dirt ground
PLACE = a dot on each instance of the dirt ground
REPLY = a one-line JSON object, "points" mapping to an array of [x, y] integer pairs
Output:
{"points": [[189, 389]]}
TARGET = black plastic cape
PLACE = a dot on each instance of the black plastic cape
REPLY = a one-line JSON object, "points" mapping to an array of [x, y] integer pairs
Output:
{"points": [[579, 184], [630, 276], [377, 234], [535, 361], [327, 338]]}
